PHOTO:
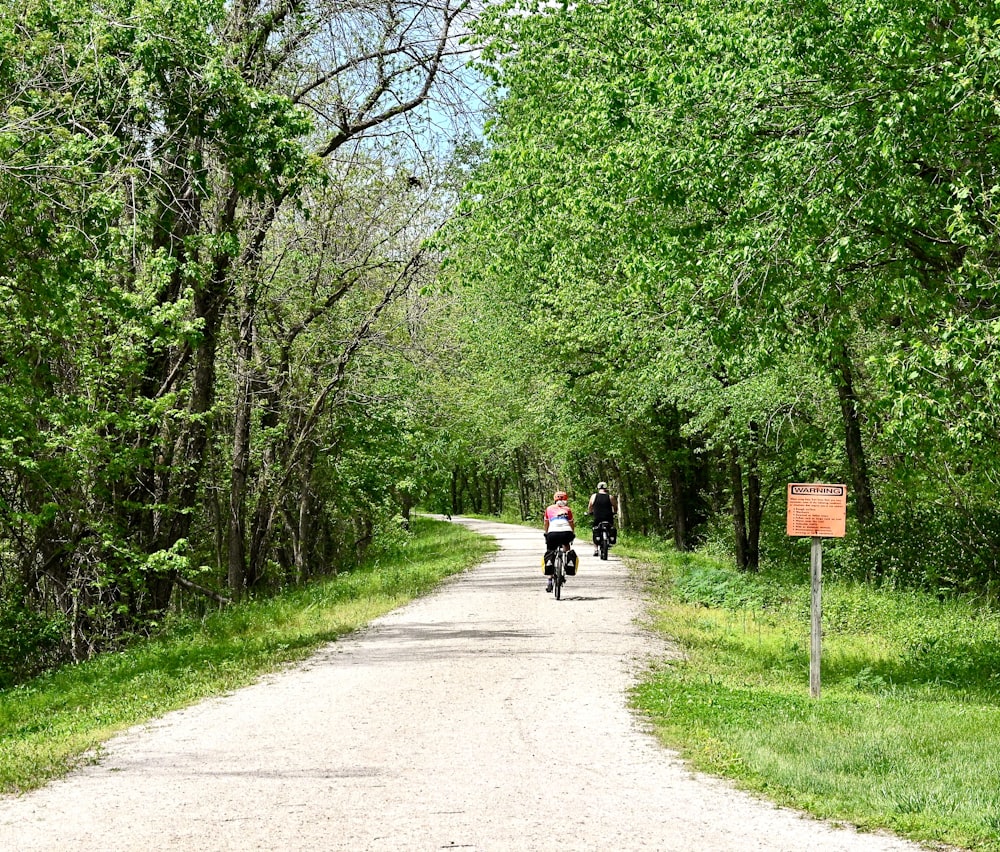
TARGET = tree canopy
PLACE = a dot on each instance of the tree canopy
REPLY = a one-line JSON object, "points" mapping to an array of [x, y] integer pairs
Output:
{"points": [[751, 243], [213, 217], [263, 295]]}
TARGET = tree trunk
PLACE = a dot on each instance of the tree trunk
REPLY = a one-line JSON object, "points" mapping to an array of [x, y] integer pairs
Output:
{"points": [[623, 497], [755, 503], [864, 506], [755, 509], [237, 563], [677, 502], [303, 532], [739, 509], [523, 487]]}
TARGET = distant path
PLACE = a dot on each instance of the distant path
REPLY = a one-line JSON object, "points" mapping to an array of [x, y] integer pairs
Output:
{"points": [[485, 717]]}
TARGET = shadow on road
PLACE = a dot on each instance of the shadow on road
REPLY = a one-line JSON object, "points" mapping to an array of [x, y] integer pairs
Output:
{"points": [[571, 598]]}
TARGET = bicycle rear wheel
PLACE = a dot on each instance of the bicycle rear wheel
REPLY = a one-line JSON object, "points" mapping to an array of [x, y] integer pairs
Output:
{"points": [[604, 544], [559, 574]]}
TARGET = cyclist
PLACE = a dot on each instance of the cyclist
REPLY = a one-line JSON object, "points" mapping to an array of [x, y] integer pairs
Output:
{"points": [[603, 507], [559, 527]]}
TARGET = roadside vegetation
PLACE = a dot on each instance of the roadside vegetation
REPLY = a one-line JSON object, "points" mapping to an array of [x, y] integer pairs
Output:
{"points": [[266, 290], [267, 286], [53, 722], [906, 733]]}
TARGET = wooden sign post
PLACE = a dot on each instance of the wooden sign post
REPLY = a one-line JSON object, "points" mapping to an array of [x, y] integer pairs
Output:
{"points": [[818, 511]]}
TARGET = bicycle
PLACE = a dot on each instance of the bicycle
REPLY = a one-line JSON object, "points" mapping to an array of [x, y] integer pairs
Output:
{"points": [[602, 538], [559, 570]]}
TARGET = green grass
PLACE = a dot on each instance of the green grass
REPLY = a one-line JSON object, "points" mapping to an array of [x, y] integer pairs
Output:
{"points": [[906, 733], [54, 722], [509, 515]]}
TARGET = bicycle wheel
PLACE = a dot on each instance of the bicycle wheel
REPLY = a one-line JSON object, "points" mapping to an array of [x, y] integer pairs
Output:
{"points": [[559, 574], [604, 544]]}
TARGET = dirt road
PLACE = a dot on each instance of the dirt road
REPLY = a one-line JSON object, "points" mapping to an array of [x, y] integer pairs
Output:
{"points": [[485, 717]]}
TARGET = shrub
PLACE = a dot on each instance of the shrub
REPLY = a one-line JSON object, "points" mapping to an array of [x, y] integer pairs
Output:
{"points": [[930, 547], [713, 586], [29, 642]]}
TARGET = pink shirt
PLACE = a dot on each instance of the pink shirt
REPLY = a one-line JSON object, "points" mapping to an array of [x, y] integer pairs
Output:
{"points": [[559, 518]]}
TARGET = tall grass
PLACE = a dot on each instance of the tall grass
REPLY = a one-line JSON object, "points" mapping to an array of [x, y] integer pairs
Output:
{"points": [[906, 733], [53, 722]]}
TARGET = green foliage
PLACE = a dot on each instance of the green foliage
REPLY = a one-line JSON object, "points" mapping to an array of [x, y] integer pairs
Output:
{"points": [[737, 210], [29, 642], [711, 585], [701, 243], [934, 547], [191, 286]]}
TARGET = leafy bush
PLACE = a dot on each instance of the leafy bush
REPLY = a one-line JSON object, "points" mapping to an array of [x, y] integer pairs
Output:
{"points": [[956, 655], [930, 547], [29, 642], [713, 586]]}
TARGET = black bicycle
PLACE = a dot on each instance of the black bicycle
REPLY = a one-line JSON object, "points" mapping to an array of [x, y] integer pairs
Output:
{"points": [[559, 570], [602, 538]]}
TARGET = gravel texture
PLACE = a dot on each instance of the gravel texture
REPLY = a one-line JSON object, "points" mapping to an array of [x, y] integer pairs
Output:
{"points": [[487, 716]]}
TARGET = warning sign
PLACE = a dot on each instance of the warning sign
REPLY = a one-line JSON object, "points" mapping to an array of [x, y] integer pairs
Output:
{"points": [[817, 510]]}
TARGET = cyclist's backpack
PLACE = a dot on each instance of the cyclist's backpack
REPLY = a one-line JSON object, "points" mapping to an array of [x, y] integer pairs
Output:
{"points": [[571, 563]]}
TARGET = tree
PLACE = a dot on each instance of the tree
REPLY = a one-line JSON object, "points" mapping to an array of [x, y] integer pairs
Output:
{"points": [[156, 155], [773, 194]]}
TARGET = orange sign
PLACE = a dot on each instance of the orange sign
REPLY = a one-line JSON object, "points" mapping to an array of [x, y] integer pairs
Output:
{"points": [[816, 510]]}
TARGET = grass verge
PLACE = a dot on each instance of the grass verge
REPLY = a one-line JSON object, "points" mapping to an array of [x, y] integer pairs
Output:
{"points": [[906, 733], [54, 722]]}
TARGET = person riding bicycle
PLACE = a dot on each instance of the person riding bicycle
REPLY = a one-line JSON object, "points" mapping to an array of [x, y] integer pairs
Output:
{"points": [[559, 527], [603, 507]]}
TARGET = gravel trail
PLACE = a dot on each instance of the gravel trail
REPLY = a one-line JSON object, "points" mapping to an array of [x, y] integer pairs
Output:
{"points": [[486, 716]]}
